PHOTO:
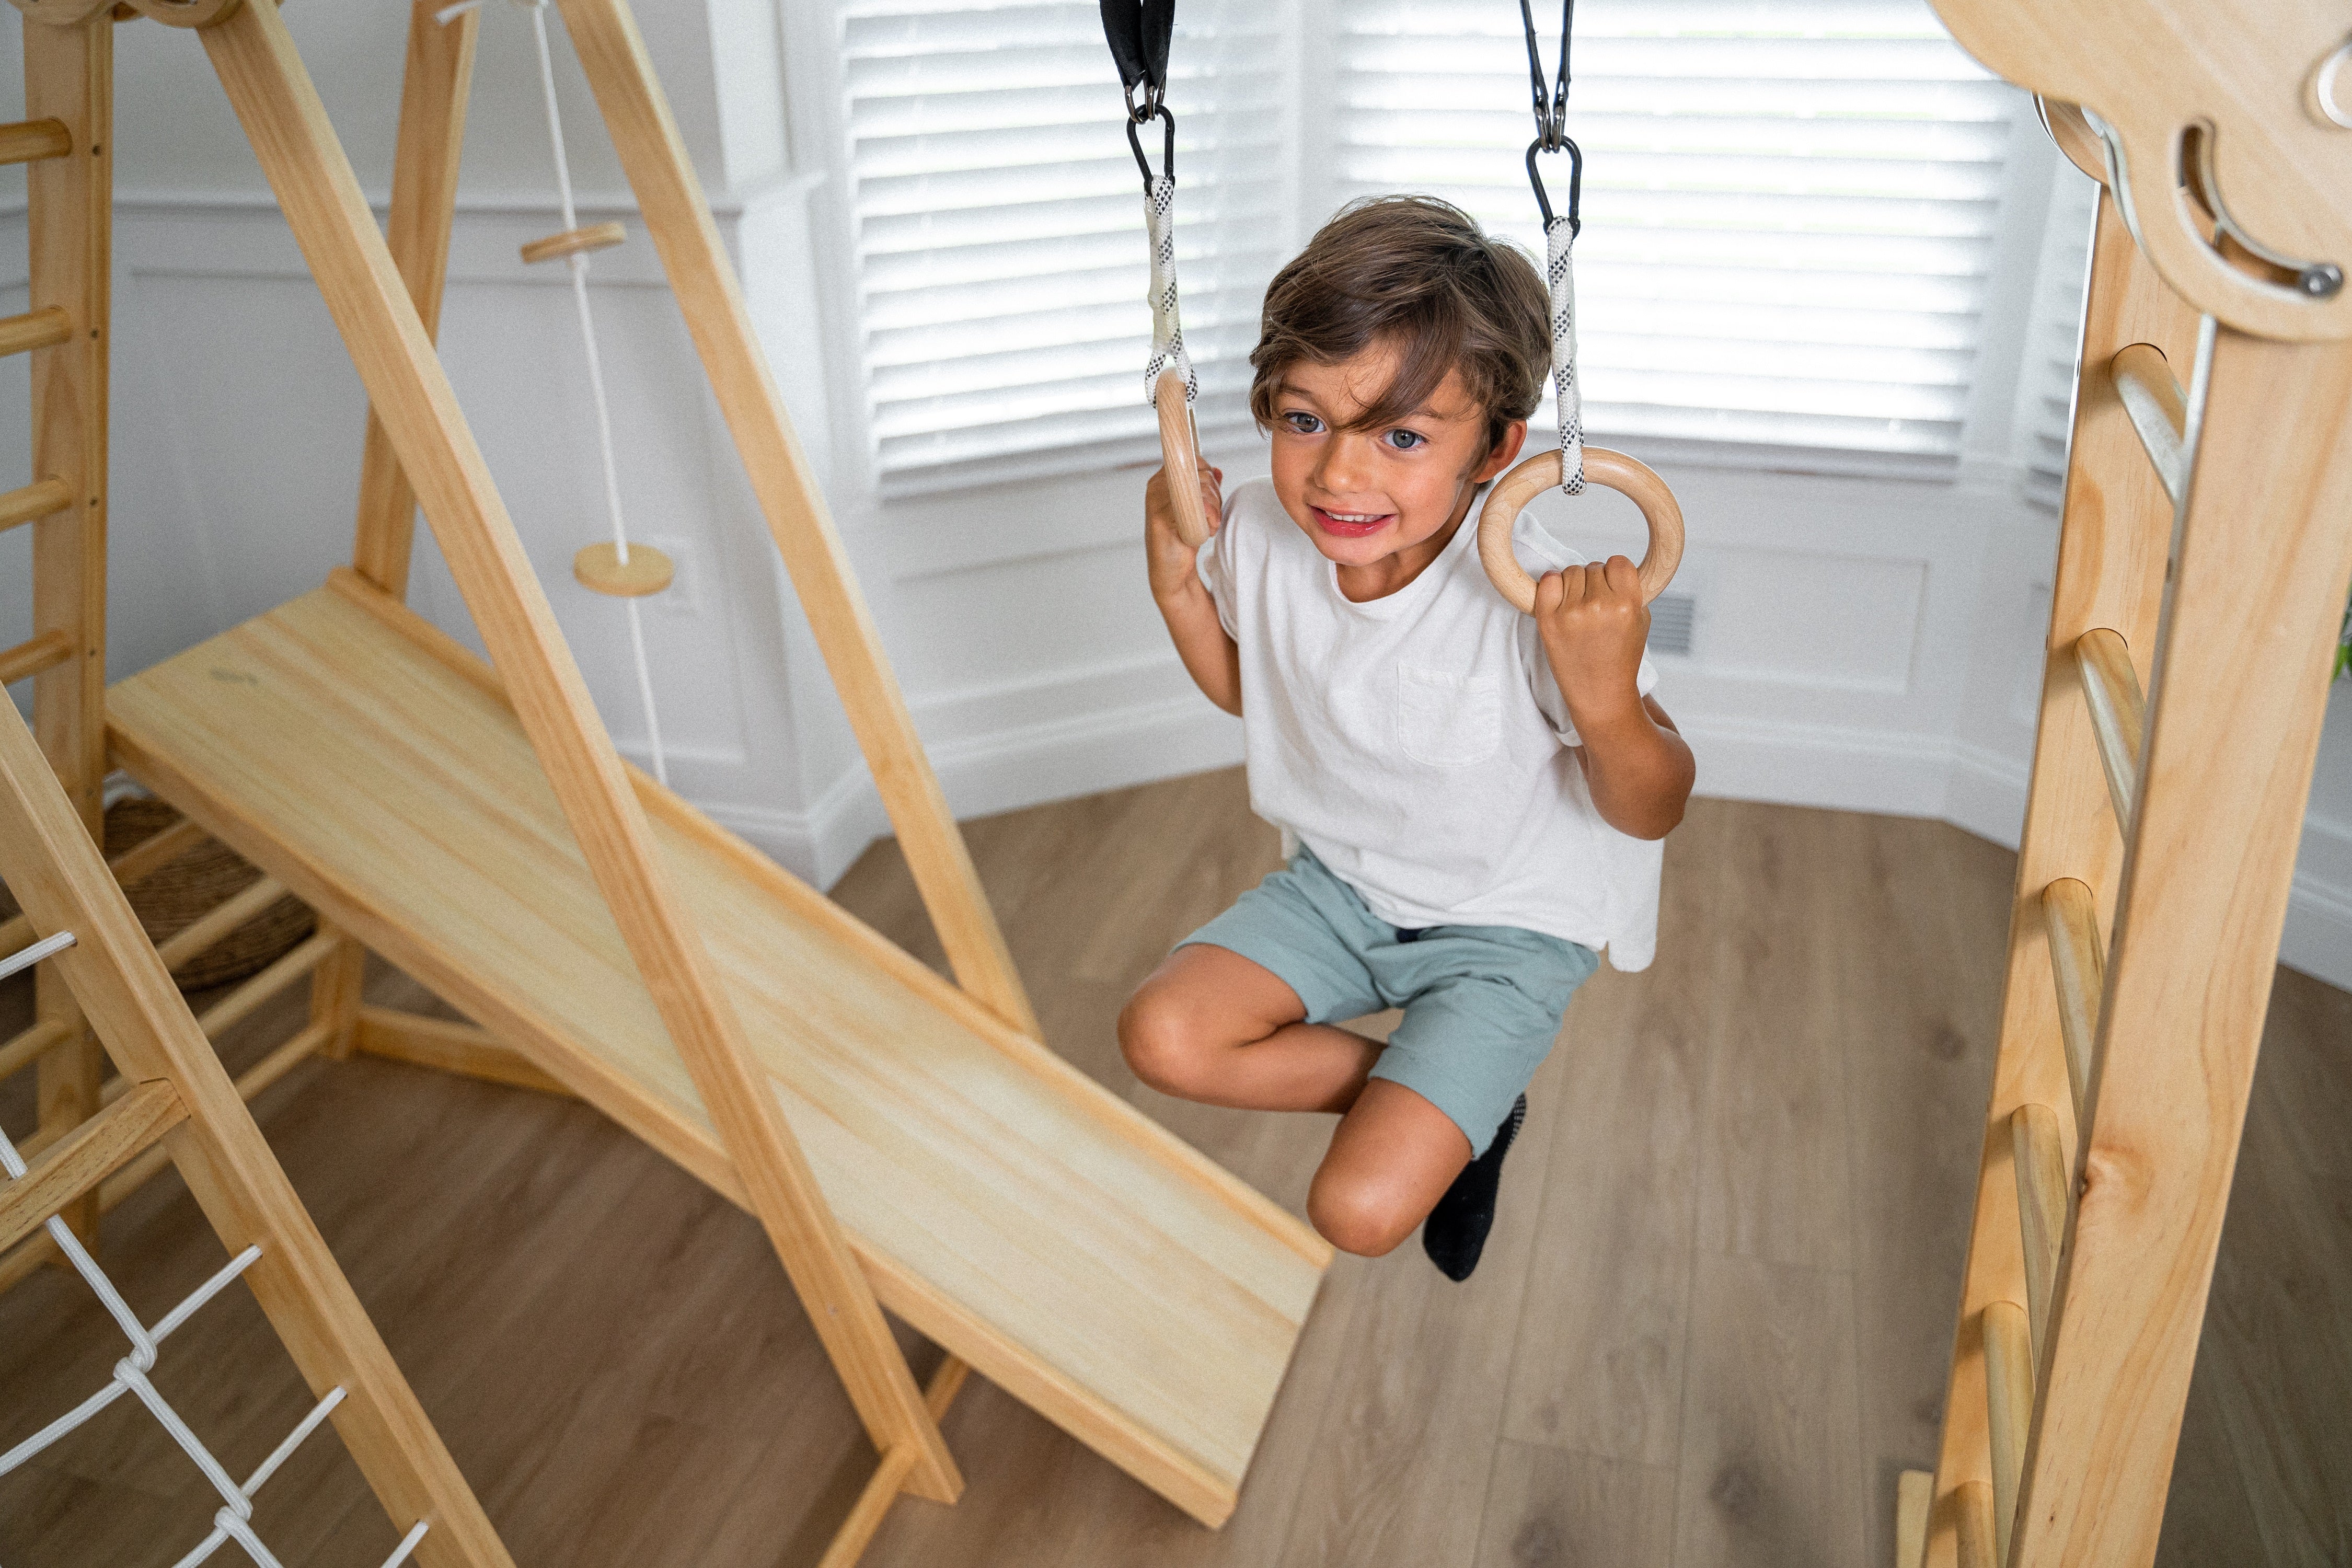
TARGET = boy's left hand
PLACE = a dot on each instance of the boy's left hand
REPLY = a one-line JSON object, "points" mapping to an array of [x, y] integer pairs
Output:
{"points": [[1594, 625]]}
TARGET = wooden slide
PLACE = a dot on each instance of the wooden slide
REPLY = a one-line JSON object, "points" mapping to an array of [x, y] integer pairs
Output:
{"points": [[1007, 1206]]}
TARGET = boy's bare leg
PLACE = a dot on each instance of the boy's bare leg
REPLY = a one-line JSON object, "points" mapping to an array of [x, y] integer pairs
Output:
{"points": [[1212, 1025], [1390, 1160]]}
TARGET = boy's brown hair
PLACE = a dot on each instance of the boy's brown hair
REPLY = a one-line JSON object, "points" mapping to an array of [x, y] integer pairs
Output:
{"points": [[1420, 273]]}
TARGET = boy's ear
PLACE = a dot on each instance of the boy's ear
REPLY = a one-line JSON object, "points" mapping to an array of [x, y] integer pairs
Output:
{"points": [[1505, 452]]}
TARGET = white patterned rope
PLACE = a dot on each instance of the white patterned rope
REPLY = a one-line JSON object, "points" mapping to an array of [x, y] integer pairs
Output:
{"points": [[1167, 327], [1559, 271], [577, 264], [233, 1521]]}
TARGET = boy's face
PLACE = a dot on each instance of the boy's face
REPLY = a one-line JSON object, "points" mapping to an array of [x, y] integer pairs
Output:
{"points": [[1382, 502]]}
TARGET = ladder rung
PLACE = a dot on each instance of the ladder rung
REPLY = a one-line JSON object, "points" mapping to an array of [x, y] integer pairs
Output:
{"points": [[2078, 968], [30, 658], [1914, 1500], [93, 1151], [235, 1007], [2119, 715], [33, 1044], [218, 921], [2042, 1192], [576, 242], [1973, 1517], [2144, 382], [32, 502], [30, 140], [41, 329], [139, 860], [2008, 1401]]}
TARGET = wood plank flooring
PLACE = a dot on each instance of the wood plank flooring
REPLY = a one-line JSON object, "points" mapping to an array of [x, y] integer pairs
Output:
{"points": [[1710, 1328]]}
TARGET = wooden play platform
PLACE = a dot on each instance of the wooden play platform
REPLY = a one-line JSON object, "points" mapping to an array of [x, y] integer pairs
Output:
{"points": [[1042, 1230]]}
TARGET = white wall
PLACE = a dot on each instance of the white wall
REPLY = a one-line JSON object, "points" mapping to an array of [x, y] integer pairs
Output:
{"points": [[1866, 644]]}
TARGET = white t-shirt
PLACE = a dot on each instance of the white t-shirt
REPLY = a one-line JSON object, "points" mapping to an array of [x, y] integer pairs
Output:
{"points": [[1418, 743]]}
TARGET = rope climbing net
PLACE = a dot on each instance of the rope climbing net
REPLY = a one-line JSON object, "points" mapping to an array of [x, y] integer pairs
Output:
{"points": [[234, 1520]]}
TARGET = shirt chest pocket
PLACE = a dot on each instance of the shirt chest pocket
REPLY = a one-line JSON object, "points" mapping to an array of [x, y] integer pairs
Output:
{"points": [[1448, 720]]}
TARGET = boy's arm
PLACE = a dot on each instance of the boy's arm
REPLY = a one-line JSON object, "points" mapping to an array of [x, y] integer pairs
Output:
{"points": [[1209, 655], [1592, 624]]}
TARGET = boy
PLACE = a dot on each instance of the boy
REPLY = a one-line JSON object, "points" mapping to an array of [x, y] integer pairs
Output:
{"points": [[1474, 796]]}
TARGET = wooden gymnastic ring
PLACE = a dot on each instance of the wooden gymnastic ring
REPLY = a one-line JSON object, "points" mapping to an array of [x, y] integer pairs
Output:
{"points": [[1179, 455], [1539, 473], [184, 13]]}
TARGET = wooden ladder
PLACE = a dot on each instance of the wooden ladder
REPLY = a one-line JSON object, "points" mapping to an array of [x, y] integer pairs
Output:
{"points": [[182, 1107], [2203, 559]]}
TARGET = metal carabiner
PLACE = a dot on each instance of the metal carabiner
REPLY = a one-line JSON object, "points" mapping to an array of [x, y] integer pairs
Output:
{"points": [[1167, 145], [1535, 178]]}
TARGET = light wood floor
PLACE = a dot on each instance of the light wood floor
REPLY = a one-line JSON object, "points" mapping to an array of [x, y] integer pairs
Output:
{"points": [[1710, 1328]]}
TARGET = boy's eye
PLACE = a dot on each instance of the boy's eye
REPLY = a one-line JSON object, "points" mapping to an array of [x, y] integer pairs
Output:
{"points": [[1405, 440], [1303, 423]]}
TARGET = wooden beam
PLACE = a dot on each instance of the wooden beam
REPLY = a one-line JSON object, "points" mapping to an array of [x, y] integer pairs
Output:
{"points": [[435, 88], [288, 126], [947, 1381], [866, 1514], [28, 1045], [239, 1004], [465, 1049], [141, 858], [86, 1157], [335, 988], [70, 232], [669, 195]]}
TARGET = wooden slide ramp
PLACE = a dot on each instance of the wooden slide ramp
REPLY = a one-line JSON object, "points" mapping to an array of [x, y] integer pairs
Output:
{"points": [[1068, 1248]]}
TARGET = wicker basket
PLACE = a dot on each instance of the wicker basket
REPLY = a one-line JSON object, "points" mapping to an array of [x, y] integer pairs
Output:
{"points": [[174, 894]]}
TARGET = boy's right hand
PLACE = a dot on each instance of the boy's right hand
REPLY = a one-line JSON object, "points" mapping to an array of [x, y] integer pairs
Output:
{"points": [[1171, 561]]}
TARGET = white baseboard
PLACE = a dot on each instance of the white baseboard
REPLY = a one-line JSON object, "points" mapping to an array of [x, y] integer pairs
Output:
{"points": [[1789, 763], [1988, 794]]}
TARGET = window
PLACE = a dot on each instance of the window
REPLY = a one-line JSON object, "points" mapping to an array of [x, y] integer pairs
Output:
{"points": [[1790, 208], [2053, 339], [1789, 204], [1000, 237]]}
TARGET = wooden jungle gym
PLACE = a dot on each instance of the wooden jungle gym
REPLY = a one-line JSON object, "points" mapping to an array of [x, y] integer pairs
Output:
{"points": [[910, 1144]]}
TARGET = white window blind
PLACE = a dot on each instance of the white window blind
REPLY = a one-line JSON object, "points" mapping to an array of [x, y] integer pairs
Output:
{"points": [[1788, 205], [2053, 339], [999, 229]]}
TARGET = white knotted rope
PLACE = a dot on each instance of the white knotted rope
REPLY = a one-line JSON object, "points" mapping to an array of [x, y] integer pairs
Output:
{"points": [[234, 1520], [1167, 327], [578, 264], [1560, 239]]}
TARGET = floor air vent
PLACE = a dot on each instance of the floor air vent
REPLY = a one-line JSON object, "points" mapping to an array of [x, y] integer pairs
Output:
{"points": [[1671, 615]]}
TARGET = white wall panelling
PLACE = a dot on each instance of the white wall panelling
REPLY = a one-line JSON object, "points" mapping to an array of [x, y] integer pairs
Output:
{"points": [[1860, 643]]}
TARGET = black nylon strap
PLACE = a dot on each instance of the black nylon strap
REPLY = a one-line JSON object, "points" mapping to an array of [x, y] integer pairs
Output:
{"points": [[1138, 32]]}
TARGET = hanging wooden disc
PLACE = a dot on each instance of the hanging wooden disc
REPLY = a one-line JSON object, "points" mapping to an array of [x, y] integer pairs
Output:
{"points": [[600, 571]]}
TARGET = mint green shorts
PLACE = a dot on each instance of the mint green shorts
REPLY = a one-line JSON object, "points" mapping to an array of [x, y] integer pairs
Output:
{"points": [[1482, 1004]]}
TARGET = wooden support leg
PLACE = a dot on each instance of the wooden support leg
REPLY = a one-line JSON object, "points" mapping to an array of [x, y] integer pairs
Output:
{"points": [[2111, 569], [676, 215], [280, 108], [2241, 685], [432, 95], [69, 78], [335, 994]]}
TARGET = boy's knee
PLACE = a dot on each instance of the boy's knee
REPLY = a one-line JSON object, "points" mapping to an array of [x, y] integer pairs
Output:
{"points": [[1160, 1041], [1362, 1217]]}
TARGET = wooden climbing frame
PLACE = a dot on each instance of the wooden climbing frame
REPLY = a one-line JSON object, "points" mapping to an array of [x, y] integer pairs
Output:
{"points": [[900, 1139], [2202, 569], [180, 1107]]}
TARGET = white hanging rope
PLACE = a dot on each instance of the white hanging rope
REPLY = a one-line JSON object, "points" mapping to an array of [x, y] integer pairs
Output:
{"points": [[1560, 238], [1167, 329], [26, 957], [577, 264], [233, 1521]]}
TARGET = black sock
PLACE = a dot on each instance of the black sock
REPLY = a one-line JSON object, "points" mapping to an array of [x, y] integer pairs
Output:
{"points": [[1455, 1231]]}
